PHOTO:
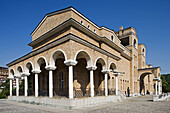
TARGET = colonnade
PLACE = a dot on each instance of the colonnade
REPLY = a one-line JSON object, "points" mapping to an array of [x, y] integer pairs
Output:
{"points": [[70, 64], [157, 86]]}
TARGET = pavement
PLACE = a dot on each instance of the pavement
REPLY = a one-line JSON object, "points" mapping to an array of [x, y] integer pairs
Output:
{"points": [[141, 104]]}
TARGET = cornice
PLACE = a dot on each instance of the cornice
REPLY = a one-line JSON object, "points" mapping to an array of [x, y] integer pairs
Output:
{"points": [[153, 68], [73, 23], [60, 41]]}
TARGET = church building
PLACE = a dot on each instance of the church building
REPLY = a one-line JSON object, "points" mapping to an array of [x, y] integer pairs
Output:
{"points": [[72, 58]]}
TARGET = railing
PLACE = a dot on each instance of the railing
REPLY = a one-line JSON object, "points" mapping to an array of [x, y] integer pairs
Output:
{"points": [[99, 91], [161, 97], [78, 92], [61, 93], [111, 91], [43, 93], [31, 93], [14, 93], [21, 93], [122, 96]]}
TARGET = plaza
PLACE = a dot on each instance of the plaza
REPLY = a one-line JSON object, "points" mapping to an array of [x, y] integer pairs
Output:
{"points": [[142, 104]]}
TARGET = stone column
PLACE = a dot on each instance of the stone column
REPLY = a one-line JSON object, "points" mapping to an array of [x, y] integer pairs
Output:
{"points": [[70, 63], [91, 68], [156, 90], [50, 68], [10, 87], [36, 72], [106, 72], [17, 85], [26, 82], [159, 84], [116, 84], [10, 83], [106, 87], [122, 85]]}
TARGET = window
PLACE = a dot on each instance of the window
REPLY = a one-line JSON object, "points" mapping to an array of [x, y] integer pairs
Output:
{"points": [[112, 38], [61, 80], [81, 22], [143, 51], [134, 43], [125, 41], [88, 26], [94, 30]]}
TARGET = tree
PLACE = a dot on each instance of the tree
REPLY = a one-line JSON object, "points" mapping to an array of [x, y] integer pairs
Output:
{"points": [[5, 90], [165, 85]]}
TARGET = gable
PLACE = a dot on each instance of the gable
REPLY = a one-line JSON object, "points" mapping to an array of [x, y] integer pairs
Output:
{"points": [[50, 22]]}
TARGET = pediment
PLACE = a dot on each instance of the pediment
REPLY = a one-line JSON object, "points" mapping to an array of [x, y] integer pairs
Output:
{"points": [[50, 21]]}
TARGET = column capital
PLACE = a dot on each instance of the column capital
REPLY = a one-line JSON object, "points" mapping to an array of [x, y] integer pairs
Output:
{"points": [[36, 71], [91, 68], [25, 74], [50, 68], [70, 62], [11, 78], [155, 79], [17, 76], [105, 71]]}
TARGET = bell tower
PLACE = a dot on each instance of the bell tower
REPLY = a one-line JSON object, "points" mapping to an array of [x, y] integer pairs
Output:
{"points": [[129, 39]]}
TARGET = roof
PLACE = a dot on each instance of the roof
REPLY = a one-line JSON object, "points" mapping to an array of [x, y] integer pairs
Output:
{"points": [[148, 68], [76, 11]]}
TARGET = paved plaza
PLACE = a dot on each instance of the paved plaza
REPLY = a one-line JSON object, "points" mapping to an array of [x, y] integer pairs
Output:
{"points": [[143, 104]]}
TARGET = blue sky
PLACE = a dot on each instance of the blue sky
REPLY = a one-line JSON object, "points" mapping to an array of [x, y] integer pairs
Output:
{"points": [[151, 18]]}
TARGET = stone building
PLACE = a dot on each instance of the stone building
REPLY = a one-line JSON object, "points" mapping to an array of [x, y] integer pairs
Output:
{"points": [[73, 57], [3, 74]]}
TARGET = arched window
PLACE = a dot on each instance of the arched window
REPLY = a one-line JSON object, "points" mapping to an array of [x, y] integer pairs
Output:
{"points": [[81, 22], [134, 43], [112, 38], [88, 26], [61, 81], [143, 51]]}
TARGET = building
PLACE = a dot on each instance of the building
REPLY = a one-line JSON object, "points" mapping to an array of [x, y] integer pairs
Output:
{"points": [[3, 74], [73, 57]]}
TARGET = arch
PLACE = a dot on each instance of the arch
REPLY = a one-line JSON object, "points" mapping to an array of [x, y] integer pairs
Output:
{"points": [[83, 54], [11, 73], [102, 61], [39, 61], [144, 74], [55, 54], [19, 70], [28, 65], [142, 83], [112, 66]]}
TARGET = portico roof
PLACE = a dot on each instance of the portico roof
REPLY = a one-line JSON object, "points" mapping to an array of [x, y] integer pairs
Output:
{"points": [[146, 69]]}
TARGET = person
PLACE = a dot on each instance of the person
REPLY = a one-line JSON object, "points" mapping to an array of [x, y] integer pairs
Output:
{"points": [[128, 91]]}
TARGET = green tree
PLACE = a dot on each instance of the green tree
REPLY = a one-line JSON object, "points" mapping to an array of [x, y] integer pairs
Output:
{"points": [[165, 85], [5, 90], [21, 87]]}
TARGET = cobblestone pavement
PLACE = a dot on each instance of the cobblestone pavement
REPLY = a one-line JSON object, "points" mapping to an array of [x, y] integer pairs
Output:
{"points": [[143, 104]]}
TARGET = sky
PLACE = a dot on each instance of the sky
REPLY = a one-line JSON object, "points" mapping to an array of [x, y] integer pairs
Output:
{"points": [[150, 18]]}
